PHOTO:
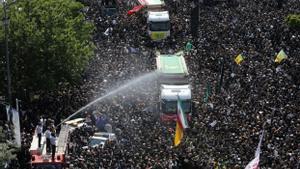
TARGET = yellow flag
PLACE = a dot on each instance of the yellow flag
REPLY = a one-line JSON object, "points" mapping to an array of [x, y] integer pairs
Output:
{"points": [[280, 56], [238, 60], [178, 134]]}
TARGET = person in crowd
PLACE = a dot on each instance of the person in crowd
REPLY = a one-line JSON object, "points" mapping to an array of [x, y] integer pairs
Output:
{"points": [[39, 132], [53, 145], [48, 137]]}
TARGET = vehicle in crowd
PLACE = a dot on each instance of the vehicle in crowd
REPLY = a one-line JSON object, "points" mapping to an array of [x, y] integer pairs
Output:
{"points": [[75, 123], [109, 136], [100, 139], [173, 85], [158, 19], [40, 159], [96, 141]]}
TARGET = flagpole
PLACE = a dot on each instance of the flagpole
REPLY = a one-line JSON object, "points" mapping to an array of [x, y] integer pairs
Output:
{"points": [[178, 98], [219, 86]]}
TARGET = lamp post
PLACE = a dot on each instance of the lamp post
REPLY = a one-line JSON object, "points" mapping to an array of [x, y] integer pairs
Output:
{"points": [[8, 74]]}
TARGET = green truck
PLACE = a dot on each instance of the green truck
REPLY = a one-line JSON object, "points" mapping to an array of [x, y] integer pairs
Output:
{"points": [[173, 84]]}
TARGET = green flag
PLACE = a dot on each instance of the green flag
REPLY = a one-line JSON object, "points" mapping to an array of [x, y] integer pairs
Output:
{"points": [[188, 47], [207, 92]]}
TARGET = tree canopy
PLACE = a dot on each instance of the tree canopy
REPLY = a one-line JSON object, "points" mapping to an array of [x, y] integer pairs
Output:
{"points": [[293, 20], [49, 43], [7, 150]]}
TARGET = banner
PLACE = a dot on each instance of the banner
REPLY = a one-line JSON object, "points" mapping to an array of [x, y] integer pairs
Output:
{"points": [[16, 122]]}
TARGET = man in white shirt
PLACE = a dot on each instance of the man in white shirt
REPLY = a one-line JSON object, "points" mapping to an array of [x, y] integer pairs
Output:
{"points": [[39, 131], [48, 136], [53, 145]]}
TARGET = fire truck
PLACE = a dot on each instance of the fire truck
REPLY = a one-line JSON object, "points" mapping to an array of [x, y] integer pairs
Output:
{"points": [[40, 159], [173, 85]]}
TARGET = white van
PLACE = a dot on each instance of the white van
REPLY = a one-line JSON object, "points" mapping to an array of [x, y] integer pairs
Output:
{"points": [[109, 136]]}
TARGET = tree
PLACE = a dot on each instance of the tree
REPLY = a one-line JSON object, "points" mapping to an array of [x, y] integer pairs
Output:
{"points": [[7, 150], [293, 20], [49, 42]]}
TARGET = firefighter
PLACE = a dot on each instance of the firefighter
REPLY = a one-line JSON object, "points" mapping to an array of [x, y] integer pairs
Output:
{"points": [[53, 145], [48, 136], [39, 131]]}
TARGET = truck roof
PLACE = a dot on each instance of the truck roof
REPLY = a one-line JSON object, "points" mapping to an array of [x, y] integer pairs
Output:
{"points": [[172, 64], [171, 92], [152, 2], [109, 136], [158, 16]]}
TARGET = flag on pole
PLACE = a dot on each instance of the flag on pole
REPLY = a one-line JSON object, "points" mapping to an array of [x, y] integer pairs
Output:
{"points": [[181, 115], [178, 134], [280, 56], [238, 60], [188, 46], [8, 112], [135, 9], [181, 123], [207, 92], [254, 164]]}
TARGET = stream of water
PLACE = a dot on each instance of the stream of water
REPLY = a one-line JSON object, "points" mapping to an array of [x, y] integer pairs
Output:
{"points": [[146, 77]]}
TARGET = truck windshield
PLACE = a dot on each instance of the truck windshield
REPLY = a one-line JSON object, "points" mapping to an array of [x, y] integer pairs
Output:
{"points": [[170, 107], [94, 142], [160, 26]]}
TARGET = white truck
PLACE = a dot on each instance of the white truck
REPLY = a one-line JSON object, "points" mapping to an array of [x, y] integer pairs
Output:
{"points": [[158, 20], [173, 84]]}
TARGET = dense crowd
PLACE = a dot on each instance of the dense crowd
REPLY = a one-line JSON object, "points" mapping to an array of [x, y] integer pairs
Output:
{"points": [[256, 95]]}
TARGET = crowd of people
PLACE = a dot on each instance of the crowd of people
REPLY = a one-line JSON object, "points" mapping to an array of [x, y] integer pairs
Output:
{"points": [[256, 95]]}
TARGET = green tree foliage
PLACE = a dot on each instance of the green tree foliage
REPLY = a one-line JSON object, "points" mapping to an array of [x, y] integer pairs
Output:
{"points": [[293, 20], [49, 42], [7, 150]]}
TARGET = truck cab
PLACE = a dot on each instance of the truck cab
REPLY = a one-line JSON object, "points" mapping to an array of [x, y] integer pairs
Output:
{"points": [[158, 20], [173, 82], [158, 25]]}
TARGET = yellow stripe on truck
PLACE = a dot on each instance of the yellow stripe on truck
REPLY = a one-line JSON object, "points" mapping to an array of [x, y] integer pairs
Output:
{"points": [[158, 35]]}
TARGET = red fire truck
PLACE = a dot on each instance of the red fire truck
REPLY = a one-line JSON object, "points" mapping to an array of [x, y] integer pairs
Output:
{"points": [[40, 159]]}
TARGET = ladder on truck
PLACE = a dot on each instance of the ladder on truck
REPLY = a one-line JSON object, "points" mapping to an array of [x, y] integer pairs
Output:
{"points": [[63, 139]]}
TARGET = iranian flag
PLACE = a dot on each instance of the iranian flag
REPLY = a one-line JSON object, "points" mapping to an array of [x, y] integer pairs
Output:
{"points": [[254, 164], [181, 123], [178, 134], [181, 115]]}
